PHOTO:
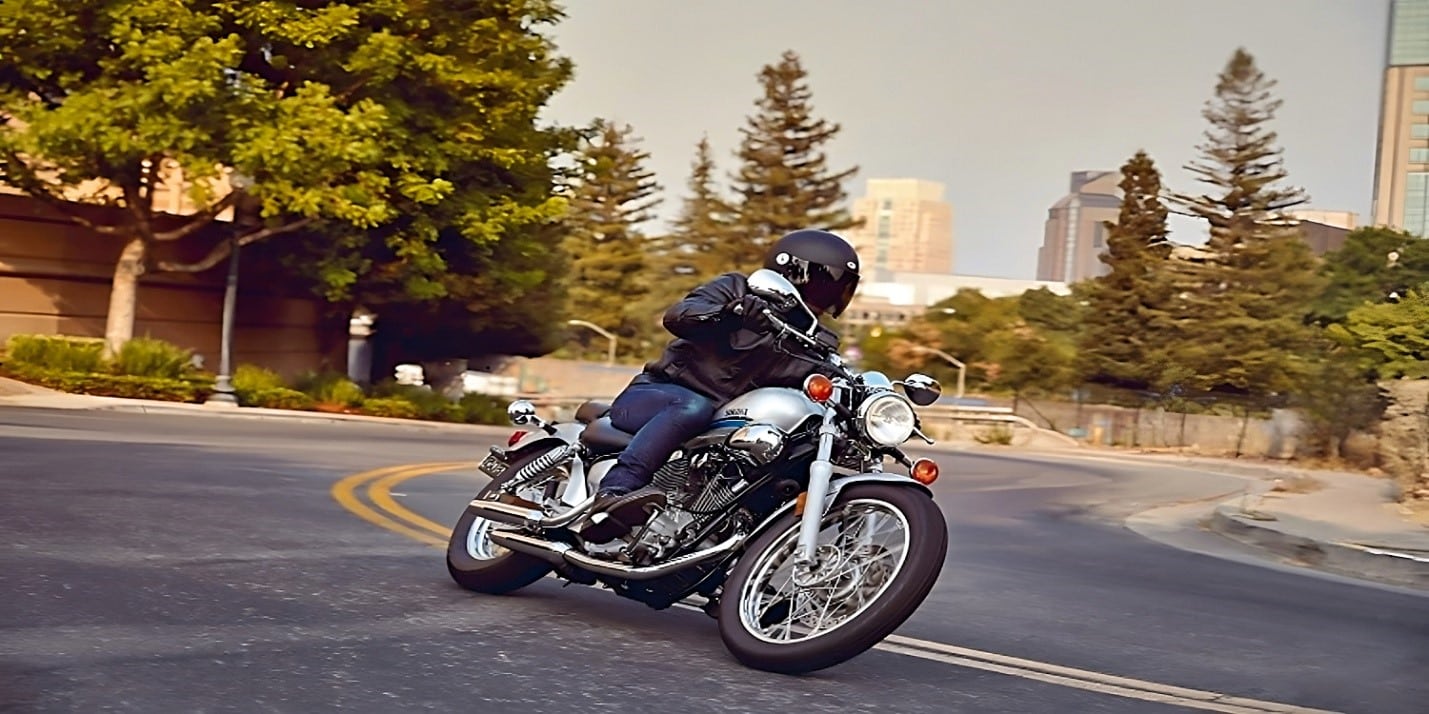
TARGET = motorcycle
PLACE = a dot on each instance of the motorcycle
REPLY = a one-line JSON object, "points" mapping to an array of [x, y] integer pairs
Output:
{"points": [[780, 516]]}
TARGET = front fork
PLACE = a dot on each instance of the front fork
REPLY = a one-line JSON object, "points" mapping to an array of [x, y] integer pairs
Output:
{"points": [[820, 474]]}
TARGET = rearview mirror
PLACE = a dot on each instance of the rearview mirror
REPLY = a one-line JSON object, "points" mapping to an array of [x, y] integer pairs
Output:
{"points": [[922, 389], [778, 290]]}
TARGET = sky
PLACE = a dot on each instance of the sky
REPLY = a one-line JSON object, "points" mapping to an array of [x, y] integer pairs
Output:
{"points": [[999, 100]]}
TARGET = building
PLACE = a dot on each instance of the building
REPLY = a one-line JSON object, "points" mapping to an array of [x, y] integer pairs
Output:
{"points": [[908, 228], [1075, 234], [1348, 220], [904, 296], [1401, 186]]}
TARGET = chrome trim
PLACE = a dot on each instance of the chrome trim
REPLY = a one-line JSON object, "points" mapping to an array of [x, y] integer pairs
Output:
{"points": [[564, 553], [513, 515]]}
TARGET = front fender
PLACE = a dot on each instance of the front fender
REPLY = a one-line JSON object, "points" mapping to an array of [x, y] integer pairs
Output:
{"points": [[836, 485]]}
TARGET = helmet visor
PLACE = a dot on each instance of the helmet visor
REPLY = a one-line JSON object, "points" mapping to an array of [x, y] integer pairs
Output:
{"points": [[829, 289]]}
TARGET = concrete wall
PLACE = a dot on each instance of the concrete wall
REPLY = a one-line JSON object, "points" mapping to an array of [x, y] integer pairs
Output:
{"points": [[54, 279]]}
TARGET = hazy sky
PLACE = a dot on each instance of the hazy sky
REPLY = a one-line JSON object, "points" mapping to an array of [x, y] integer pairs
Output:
{"points": [[998, 99]]}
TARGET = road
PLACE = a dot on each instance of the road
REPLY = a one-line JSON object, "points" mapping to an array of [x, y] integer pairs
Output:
{"points": [[163, 564]]}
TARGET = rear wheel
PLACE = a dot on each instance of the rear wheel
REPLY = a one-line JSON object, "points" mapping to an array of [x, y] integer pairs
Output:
{"points": [[478, 564], [881, 549]]}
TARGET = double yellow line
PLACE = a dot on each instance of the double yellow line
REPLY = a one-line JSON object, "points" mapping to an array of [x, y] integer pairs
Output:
{"points": [[384, 510]]}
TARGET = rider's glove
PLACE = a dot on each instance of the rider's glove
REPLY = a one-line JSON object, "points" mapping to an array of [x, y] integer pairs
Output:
{"points": [[750, 309]]}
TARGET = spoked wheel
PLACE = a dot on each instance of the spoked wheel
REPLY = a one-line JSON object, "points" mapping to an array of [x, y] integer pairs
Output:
{"points": [[881, 549], [478, 564]]}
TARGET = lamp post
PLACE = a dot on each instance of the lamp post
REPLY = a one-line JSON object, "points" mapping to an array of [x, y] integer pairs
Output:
{"points": [[610, 359], [223, 393], [962, 368]]}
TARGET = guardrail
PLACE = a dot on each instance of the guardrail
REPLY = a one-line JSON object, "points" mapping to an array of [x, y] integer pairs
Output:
{"points": [[940, 418]]}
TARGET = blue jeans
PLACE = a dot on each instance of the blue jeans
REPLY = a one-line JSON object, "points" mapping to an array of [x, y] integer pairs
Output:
{"points": [[662, 416]]}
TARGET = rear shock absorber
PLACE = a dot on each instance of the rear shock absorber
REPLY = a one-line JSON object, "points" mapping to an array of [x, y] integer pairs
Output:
{"points": [[530, 472]]}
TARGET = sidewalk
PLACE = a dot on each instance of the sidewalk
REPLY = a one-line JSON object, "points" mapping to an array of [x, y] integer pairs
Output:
{"points": [[1349, 525]]}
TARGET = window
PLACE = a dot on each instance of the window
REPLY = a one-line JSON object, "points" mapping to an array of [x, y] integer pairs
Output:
{"points": [[1419, 156], [1419, 131], [1421, 84], [1421, 107], [1416, 202]]}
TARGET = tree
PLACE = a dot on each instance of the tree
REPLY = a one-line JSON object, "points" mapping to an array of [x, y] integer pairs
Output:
{"points": [[783, 182], [613, 195], [1124, 343], [1392, 336], [1243, 328], [1373, 264], [399, 118]]}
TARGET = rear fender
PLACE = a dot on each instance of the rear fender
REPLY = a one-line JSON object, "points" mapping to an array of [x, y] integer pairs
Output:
{"points": [[538, 439]]}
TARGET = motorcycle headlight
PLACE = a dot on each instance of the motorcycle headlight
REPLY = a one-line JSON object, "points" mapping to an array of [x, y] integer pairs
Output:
{"points": [[887, 419]]}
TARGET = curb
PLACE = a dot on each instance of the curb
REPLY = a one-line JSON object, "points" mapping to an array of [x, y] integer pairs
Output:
{"points": [[1380, 564], [260, 414]]}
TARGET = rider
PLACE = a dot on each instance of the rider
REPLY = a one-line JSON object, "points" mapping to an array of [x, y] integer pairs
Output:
{"points": [[723, 347]]}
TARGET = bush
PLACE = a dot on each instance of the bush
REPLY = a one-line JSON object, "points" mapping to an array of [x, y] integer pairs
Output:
{"points": [[279, 398], [395, 407], [250, 379], [331, 388], [483, 409], [1000, 434], [116, 385], [429, 405], [148, 357], [56, 352]]}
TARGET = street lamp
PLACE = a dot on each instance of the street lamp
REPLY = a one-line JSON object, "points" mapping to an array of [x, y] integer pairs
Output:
{"points": [[610, 359], [223, 392], [962, 368]]}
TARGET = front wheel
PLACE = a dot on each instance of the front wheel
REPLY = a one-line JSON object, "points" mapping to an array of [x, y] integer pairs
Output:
{"points": [[478, 564], [881, 549]]}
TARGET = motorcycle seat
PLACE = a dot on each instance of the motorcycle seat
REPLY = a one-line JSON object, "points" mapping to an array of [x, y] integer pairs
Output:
{"points": [[602, 437], [592, 410]]}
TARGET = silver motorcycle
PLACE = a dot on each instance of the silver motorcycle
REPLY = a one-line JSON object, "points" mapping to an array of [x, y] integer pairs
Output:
{"points": [[780, 516]]}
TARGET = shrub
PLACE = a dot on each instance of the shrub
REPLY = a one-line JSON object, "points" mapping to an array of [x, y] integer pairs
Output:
{"points": [[56, 352], [430, 405], [330, 388], [148, 357], [250, 379], [116, 385], [389, 407], [483, 409], [999, 434], [279, 398]]}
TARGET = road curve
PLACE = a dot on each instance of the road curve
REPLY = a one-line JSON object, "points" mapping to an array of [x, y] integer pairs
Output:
{"points": [[172, 564]]}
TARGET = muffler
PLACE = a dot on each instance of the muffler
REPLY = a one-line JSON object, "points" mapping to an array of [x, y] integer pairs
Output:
{"points": [[563, 553], [516, 515]]}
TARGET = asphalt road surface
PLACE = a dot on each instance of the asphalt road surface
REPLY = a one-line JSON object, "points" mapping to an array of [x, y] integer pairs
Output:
{"points": [[164, 564]]}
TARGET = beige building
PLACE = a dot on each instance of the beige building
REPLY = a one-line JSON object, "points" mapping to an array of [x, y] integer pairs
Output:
{"points": [[908, 227], [1075, 233], [1348, 220], [1401, 187]]}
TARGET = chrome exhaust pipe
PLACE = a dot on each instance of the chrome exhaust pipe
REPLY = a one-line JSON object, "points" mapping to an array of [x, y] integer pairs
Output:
{"points": [[513, 515], [563, 553]]}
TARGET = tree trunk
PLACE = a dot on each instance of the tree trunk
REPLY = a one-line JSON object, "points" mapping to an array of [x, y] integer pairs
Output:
{"points": [[124, 296], [445, 377]]}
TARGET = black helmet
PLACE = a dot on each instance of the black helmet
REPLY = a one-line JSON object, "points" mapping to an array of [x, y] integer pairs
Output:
{"points": [[822, 265]]}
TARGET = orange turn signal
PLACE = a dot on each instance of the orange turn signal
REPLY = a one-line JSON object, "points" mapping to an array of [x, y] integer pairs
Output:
{"points": [[819, 388], [799, 503], [924, 471]]}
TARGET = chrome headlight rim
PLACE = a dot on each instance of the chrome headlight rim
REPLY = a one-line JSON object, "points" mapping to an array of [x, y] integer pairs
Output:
{"points": [[866, 412]]}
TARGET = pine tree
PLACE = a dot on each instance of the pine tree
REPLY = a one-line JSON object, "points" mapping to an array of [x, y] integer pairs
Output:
{"points": [[704, 225], [784, 182], [1244, 328], [613, 195], [1124, 338]]}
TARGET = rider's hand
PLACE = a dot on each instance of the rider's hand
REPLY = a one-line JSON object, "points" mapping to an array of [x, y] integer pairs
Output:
{"points": [[751, 311]]}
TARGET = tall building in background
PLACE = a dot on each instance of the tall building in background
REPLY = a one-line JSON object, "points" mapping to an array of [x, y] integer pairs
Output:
{"points": [[1401, 185], [908, 228], [1075, 235]]}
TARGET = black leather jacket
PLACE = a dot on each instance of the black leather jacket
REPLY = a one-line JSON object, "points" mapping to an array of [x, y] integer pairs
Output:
{"points": [[715, 355]]}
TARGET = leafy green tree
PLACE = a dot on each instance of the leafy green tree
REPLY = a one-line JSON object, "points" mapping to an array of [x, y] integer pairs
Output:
{"points": [[1242, 326], [1392, 336], [784, 182], [1373, 264], [613, 195], [400, 118], [1124, 342]]}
